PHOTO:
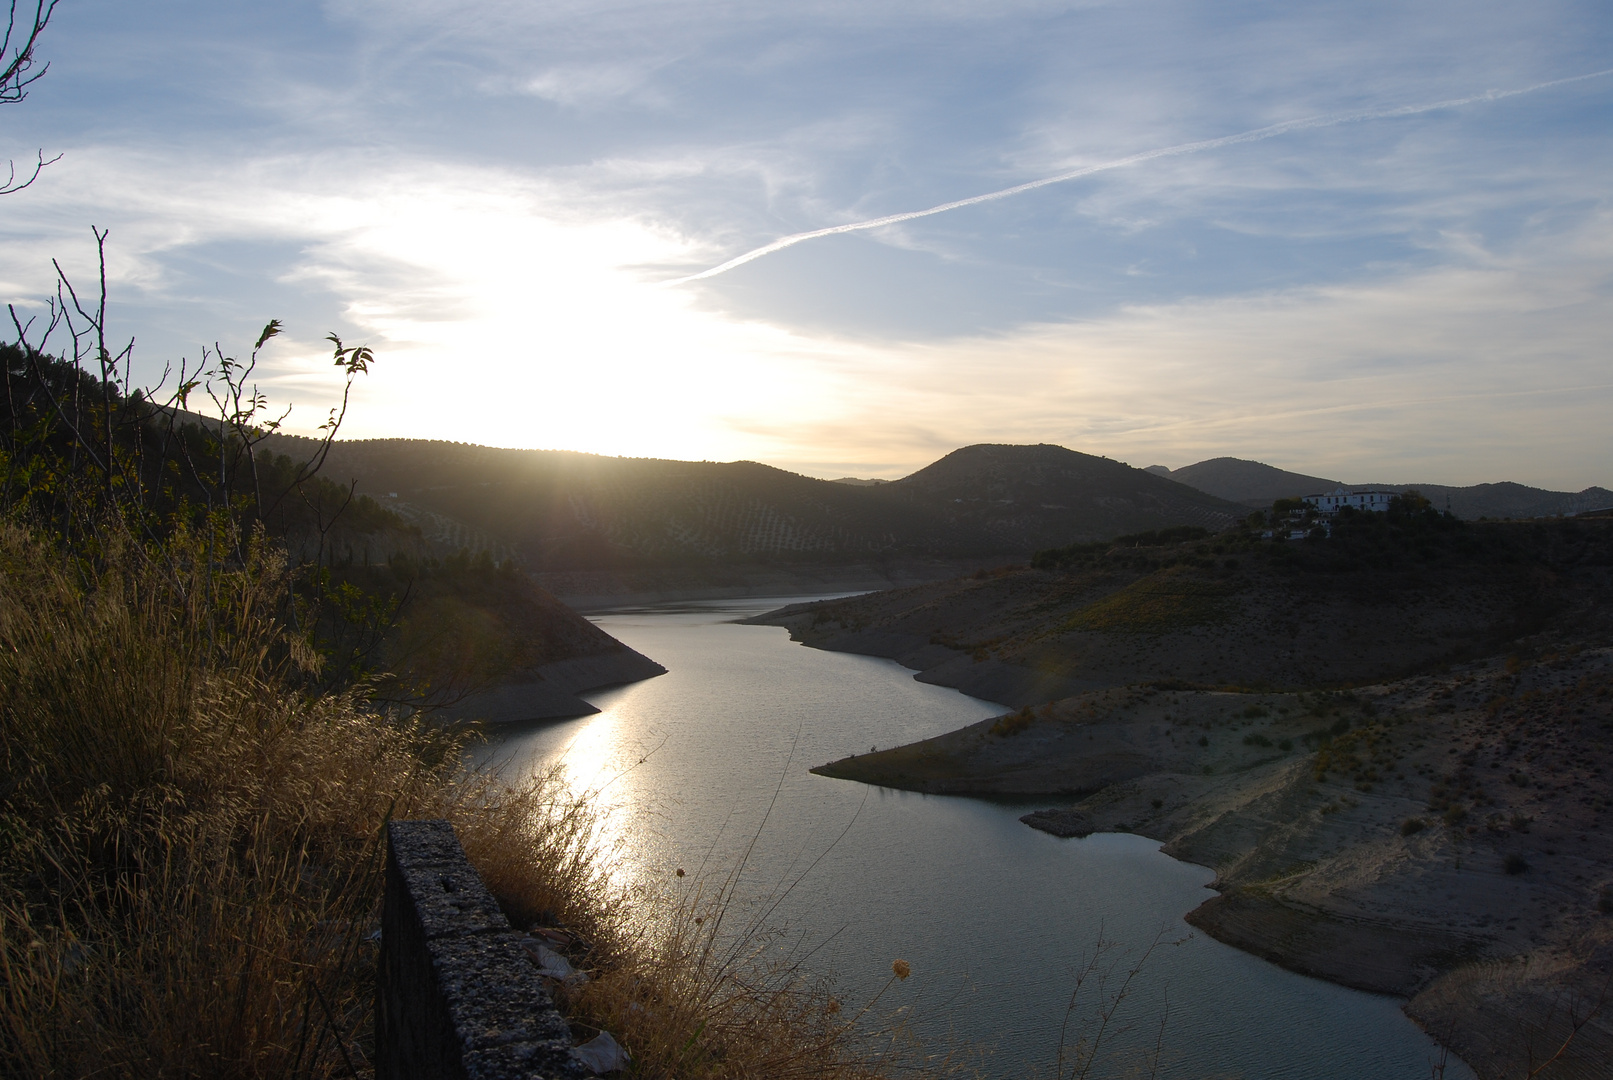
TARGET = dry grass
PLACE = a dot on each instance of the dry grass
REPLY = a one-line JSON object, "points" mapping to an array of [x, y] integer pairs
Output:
{"points": [[691, 979], [190, 852], [695, 998]]}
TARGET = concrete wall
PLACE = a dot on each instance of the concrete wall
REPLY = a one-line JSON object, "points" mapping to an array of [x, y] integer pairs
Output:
{"points": [[456, 997]]}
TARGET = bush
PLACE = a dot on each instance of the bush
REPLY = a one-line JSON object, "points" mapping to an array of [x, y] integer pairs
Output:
{"points": [[1013, 723], [1412, 825], [1455, 814], [1514, 863]]}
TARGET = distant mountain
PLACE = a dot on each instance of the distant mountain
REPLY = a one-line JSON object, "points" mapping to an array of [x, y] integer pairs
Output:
{"points": [[1249, 482], [1254, 483], [563, 511], [1030, 497]]}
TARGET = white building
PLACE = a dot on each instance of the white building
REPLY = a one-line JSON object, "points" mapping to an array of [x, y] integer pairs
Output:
{"points": [[1340, 497]]}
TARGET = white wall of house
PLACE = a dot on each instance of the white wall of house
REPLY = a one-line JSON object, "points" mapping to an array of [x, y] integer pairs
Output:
{"points": [[1337, 499]]}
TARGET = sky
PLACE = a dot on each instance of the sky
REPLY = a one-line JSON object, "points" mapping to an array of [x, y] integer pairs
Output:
{"points": [[1371, 241]]}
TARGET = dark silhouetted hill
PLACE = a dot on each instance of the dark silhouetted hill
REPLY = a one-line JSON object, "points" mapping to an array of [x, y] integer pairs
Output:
{"points": [[1252, 483], [564, 511], [1025, 497]]}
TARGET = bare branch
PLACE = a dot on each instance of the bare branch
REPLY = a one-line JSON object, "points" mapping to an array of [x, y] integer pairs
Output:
{"points": [[12, 184], [18, 73]]}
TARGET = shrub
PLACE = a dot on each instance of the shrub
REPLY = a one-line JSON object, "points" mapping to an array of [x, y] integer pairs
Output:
{"points": [[1256, 740], [1157, 803], [1204, 740], [1013, 723], [1604, 900], [1514, 863], [1412, 826], [1455, 814], [1286, 744]]}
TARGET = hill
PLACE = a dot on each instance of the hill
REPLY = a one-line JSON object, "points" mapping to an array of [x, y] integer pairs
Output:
{"points": [[1252, 483], [1255, 484], [567, 514], [486, 643], [1027, 497], [421, 626]]}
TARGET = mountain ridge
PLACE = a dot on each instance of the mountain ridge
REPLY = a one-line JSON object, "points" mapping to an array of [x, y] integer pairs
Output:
{"points": [[561, 511], [1257, 484]]}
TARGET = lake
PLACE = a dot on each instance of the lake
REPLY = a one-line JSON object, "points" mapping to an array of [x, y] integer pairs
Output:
{"points": [[995, 918]]}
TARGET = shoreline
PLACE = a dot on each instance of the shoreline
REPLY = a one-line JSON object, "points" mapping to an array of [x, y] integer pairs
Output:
{"points": [[1318, 874]]}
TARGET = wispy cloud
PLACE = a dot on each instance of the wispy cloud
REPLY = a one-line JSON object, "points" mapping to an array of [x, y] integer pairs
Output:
{"points": [[1271, 131]]}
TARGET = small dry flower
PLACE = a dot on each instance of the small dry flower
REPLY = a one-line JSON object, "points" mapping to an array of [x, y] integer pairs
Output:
{"points": [[901, 969], [680, 871]]}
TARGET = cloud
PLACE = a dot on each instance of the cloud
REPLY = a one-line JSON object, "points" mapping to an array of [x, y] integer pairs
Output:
{"points": [[489, 193], [1271, 131]]}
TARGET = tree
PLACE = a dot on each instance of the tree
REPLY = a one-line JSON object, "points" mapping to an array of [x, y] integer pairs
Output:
{"points": [[19, 73]]}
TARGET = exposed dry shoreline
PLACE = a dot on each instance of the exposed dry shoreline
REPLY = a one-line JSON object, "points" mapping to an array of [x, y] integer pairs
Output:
{"points": [[1440, 838]]}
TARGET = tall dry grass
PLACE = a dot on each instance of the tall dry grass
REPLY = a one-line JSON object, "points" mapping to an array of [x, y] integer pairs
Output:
{"points": [[190, 850], [689, 995]]}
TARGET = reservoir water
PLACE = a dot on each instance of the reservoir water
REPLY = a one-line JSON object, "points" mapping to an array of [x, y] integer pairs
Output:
{"points": [[994, 917]]}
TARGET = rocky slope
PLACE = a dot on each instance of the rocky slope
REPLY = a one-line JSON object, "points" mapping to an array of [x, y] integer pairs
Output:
{"points": [[1440, 838], [1397, 757]]}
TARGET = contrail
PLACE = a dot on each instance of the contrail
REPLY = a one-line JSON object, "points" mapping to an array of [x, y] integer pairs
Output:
{"points": [[1256, 135]]}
